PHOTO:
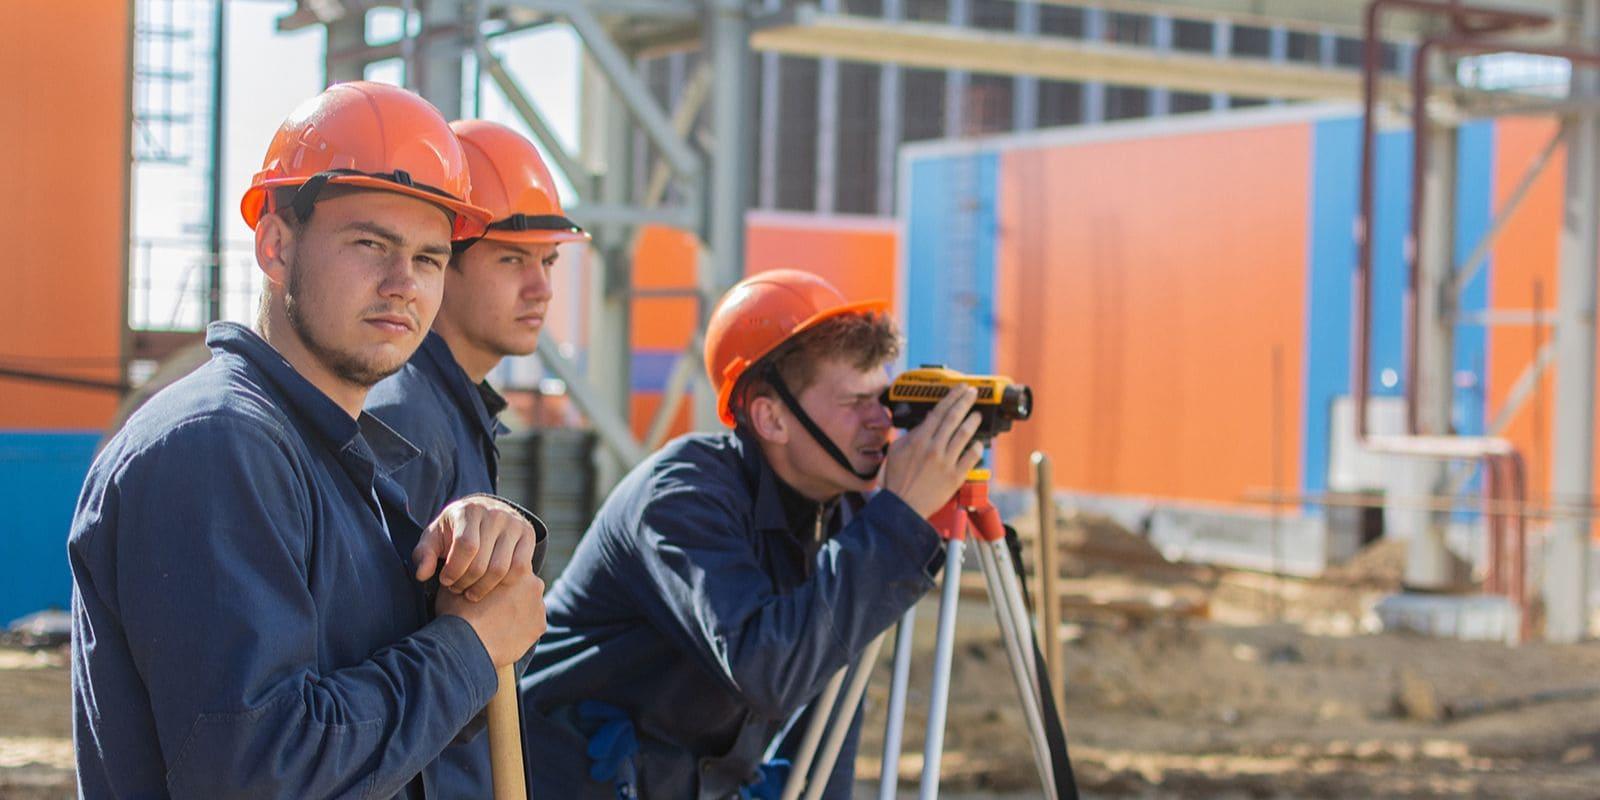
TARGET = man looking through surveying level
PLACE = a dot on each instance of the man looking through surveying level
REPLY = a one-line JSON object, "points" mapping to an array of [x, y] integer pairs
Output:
{"points": [[729, 576]]}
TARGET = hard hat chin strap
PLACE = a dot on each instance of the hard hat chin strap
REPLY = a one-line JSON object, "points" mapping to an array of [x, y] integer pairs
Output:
{"points": [[773, 379]]}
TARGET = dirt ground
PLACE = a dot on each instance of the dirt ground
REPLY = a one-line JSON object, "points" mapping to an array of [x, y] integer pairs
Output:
{"points": [[1181, 682]]}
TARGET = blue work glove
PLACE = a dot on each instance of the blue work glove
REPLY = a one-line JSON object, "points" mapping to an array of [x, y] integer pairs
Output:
{"points": [[612, 746], [774, 775]]}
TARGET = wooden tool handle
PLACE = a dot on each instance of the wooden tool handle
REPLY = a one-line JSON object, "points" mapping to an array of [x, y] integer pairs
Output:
{"points": [[505, 739]]}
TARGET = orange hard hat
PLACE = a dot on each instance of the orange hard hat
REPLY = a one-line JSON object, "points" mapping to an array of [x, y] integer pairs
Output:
{"points": [[371, 136], [509, 178], [761, 312]]}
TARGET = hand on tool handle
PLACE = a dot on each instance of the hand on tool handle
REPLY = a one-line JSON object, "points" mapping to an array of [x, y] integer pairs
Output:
{"points": [[926, 465], [480, 539], [488, 549]]}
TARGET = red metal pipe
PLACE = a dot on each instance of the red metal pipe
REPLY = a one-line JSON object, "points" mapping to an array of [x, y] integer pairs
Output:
{"points": [[1497, 20], [1494, 520]]}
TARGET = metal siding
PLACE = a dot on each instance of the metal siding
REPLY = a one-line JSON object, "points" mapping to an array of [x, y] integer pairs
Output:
{"points": [[1335, 189], [1145, 283], [41, 474]]}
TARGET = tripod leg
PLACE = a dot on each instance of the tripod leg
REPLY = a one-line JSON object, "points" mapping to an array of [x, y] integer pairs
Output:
{"points": [[1011, 587], [839, 724], [890, 780], [1019, 659], [821, 710], [943, 650]]}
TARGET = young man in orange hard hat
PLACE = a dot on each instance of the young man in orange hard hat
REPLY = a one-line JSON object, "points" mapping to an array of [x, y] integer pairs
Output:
{"points": [[730, 575], [497, 293], [250, 613]]}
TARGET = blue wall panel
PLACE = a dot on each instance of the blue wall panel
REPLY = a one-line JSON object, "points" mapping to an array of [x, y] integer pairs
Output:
{"points": [[1331, 260], [41, 474], [950, 261], [1336, 154]]}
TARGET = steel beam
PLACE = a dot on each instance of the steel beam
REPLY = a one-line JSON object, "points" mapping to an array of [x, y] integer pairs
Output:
{"points": [[638, 101], [939, 46], [581, 178], [666, 9]]}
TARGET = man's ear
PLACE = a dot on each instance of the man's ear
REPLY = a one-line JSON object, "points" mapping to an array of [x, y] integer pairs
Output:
{"points": [[275, 243], [768, 419]]}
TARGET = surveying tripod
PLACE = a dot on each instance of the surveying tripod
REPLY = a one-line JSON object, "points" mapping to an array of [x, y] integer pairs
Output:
{"points": [[967, 516]]}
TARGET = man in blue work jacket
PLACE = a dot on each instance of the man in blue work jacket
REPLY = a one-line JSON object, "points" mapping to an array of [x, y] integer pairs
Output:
{"points": [[729, 576], [249, 612], [496, 296]]}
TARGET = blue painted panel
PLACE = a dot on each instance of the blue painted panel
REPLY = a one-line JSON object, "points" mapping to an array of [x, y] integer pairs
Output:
{"points": [[950, 261], [1332, 257], [1474, 198], [41, 474], [1336, 162], [651, 368]]}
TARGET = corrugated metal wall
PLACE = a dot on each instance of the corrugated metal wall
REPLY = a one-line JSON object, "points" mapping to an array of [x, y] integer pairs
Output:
{"points": [[64, 153], [1179, 294]]}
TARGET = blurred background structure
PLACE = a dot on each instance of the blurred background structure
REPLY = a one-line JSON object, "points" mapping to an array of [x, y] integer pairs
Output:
{"points": [[1249, 343]]}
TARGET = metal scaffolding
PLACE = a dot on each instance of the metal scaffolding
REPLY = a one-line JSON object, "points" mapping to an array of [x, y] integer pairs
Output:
{"points": [[701, 142]]}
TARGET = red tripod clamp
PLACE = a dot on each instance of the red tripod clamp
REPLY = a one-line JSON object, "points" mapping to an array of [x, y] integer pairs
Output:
{"points": [[969, 513]]}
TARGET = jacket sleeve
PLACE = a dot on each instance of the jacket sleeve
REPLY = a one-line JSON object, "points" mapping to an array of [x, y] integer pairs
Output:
{"points": [[777, 648], [213, 536]]}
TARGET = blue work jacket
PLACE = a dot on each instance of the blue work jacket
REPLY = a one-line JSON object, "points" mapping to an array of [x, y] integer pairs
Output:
{"points": [[435, 406], [695, 606], [245, 621]]}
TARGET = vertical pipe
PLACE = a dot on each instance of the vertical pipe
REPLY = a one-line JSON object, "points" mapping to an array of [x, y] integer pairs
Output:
{"points": [[219, 74]]}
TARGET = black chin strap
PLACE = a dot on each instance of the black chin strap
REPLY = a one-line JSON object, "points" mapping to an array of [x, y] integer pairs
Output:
{"points": [[773, 379]]}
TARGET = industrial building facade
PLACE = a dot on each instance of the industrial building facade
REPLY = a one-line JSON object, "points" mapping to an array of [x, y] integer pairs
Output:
{"points": [[830, 130]]}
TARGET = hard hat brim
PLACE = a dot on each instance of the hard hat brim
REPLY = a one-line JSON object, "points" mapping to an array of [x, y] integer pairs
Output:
{"points": [[469, 221]]}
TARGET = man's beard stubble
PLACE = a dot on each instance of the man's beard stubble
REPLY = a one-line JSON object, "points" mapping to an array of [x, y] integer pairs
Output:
{"points": [[346, 366]]}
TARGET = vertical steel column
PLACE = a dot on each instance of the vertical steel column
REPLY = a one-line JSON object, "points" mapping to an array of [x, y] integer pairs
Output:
{"points": [[1427, 559], [1277, 50], [606, 141], [215, 201], [1025, 89], [438, 57], [345, 35], [732, 99], [1161, 40], [1094, 92], [1221, 47], [771, 97], [1566, 584], [956, 80], [827, 125], [889, 122]]}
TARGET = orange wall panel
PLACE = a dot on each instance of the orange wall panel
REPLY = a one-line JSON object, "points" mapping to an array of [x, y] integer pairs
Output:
{"points": [[857, 255], [1527, 251], [64, 154], [1144, 289]]}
